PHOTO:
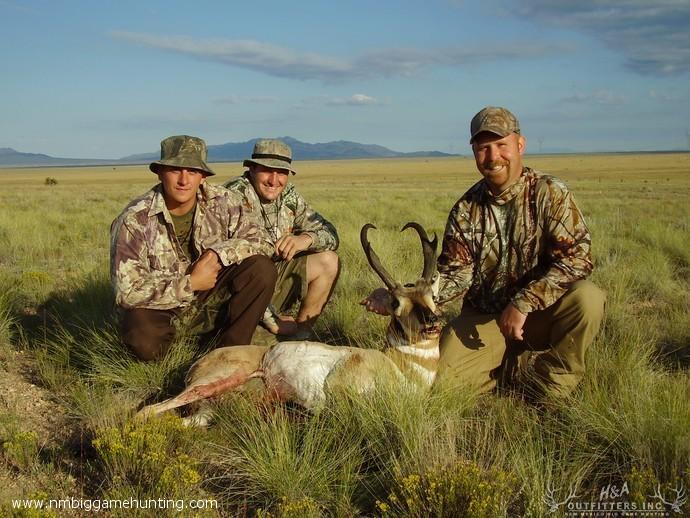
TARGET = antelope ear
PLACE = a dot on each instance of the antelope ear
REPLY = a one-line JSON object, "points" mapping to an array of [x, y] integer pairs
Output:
{"points": [[435, 284], [403, 307], [393, 305]]}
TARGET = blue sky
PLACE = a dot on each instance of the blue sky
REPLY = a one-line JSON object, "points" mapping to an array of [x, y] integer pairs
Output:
{"points": [[104, 79]]}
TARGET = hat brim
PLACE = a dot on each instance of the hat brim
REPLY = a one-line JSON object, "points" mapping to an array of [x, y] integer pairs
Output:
{"points": [[273, 163], [189, 163], [492, 129]]}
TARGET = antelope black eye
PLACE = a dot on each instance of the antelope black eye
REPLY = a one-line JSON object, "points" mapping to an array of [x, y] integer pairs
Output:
{"points": [[409, 285], [395, 303]]}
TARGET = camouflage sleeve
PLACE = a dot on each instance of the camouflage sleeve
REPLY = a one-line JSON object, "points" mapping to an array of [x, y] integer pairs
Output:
{"points": [[136, 283], [246, 236], [569, 244], [455, 264], [308, 221]]}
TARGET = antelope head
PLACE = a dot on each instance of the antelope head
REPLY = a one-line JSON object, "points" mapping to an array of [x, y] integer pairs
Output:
{"points": [[414, 316]]}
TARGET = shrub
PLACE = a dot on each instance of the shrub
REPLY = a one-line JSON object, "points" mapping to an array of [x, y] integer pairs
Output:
{"points": [[305, 507], [460, 489], [21, 449], [151, 454]]}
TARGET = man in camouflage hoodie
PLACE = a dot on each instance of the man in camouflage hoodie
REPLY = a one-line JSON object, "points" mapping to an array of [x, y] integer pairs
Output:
{"points": [[515, 255], [302, 242], [186, 256]]}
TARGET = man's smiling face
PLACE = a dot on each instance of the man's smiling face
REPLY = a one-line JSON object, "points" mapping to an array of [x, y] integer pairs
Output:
{"points": [[499, 159], [268, 182]]}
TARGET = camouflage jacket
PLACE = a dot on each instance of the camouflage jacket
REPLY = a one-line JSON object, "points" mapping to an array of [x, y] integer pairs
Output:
{"points": [[289, 214], [148, 269], [525, 246]]}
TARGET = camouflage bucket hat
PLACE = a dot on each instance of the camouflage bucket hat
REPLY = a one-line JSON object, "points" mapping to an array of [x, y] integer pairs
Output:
{"points": [[494, 120], [271, 153], [183, 151]]}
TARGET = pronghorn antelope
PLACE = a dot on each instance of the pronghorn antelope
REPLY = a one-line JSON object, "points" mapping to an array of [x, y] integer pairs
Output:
{"points": [[303, 372]]}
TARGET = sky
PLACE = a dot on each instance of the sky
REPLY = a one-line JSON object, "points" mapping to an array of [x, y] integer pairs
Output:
{"points": [[109, 78]]}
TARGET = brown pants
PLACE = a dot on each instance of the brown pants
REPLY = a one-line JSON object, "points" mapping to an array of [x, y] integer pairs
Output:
{"points": [[232, 309], [475, 353]]}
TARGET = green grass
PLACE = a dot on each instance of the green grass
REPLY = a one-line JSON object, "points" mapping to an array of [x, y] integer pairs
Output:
{"points": [[629, 421]]}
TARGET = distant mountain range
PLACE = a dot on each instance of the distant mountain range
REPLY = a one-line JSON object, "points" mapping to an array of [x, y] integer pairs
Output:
{"points": [[11, 158], [230, 152]]}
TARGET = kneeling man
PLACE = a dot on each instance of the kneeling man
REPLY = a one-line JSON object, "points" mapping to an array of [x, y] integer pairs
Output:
{"points": [[515, 258], [185, 257], [303, 242]]}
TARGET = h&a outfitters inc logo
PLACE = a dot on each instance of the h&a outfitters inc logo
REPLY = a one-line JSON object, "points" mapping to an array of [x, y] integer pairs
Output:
{"points": [[615, 501]]}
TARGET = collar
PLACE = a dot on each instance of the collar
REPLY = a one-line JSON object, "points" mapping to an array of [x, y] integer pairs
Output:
{"points": [[509, 193]]}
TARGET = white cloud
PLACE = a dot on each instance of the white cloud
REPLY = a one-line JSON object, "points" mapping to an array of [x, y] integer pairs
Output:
{"points": [[287, 63], [666, 96], [604, 97], [230, 99], [19, 7], [354, 100], [237, 99], [250, 54], [654, 35]]}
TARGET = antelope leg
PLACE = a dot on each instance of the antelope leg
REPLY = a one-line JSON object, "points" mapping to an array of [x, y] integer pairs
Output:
{"points": [[196, 392]]}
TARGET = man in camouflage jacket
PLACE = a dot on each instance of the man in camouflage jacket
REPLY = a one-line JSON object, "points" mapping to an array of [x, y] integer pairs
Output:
{"points": [[302, 242], [515, 256], [187, 256]]}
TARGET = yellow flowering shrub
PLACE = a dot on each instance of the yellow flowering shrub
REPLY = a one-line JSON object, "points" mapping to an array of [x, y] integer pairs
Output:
{"points": [[149, 454], [21, 449], [305, 507], [460, 489]]}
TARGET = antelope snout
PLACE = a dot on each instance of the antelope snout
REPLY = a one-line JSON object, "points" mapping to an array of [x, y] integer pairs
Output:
{"points": [[431, 318]]}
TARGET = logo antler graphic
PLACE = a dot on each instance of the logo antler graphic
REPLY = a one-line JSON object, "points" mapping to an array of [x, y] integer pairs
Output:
{"points": [[681, 497], [551, 501]]}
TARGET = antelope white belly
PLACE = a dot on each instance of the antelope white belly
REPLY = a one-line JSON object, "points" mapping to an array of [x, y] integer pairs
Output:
{"points": [[300, 369]]}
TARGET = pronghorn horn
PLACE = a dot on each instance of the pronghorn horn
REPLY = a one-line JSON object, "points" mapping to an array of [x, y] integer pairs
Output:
{"points": [[373, 259], [428, 249]]}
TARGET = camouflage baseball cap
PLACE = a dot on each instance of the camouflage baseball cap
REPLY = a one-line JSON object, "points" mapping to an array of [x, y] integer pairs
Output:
{"points": [[494, 120], [271, 153], [183, 151]]}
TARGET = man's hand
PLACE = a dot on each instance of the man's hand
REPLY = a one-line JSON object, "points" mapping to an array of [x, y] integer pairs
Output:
{"points": [[378, 301], [205, 271], [288, 246], [511, 323]]}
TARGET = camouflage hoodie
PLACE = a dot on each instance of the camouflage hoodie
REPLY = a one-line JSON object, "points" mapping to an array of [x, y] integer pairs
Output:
{"points": [[525, 246], [148, 268], [289, 214]]}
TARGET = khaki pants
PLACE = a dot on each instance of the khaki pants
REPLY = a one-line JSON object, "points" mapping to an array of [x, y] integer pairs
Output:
{"points": [[291, 285], [474, 352]]}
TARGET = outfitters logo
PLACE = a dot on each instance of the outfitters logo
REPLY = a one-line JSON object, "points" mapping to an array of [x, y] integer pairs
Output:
{"points": [[615, 501], [551, 502], [679, 501]]}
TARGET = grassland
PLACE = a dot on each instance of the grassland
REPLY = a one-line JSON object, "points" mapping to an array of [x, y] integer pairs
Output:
{"points": [[66, 430]]}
